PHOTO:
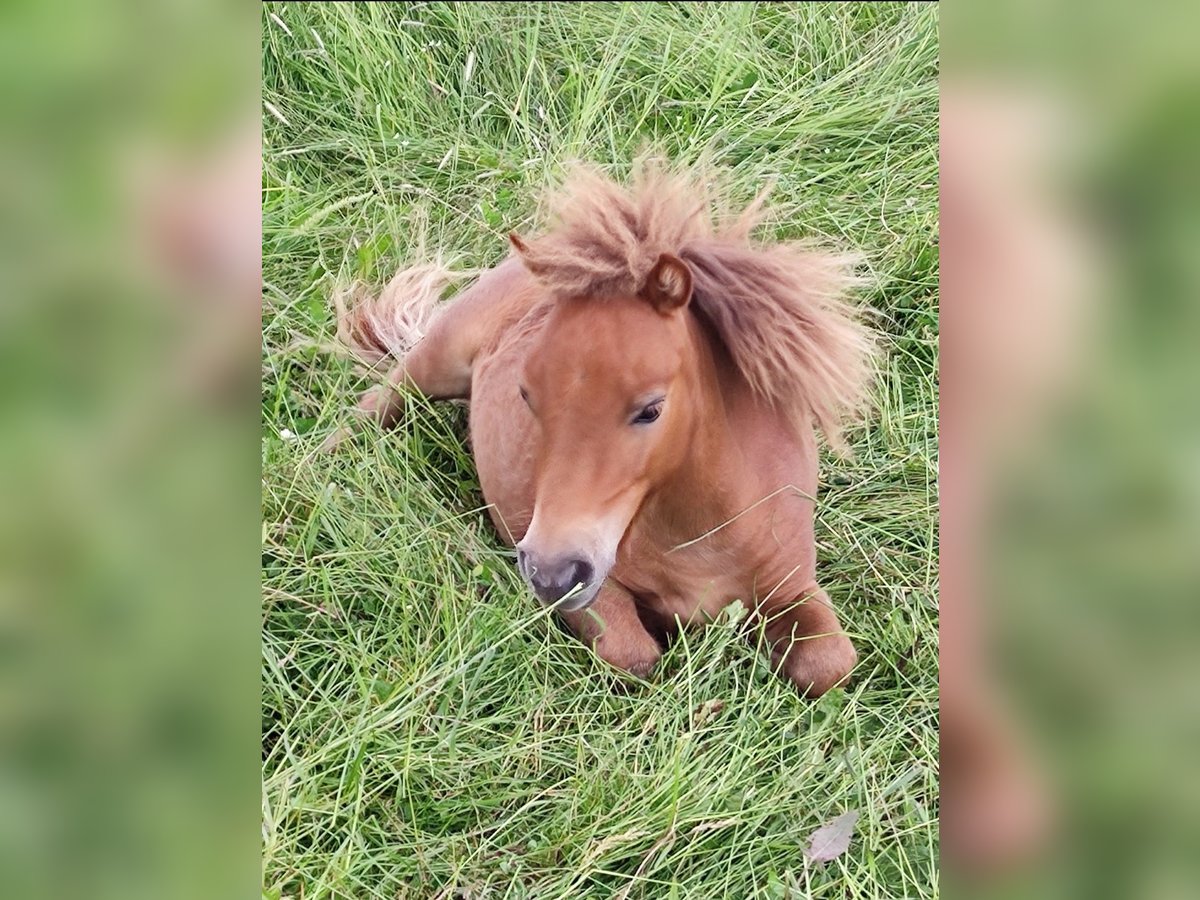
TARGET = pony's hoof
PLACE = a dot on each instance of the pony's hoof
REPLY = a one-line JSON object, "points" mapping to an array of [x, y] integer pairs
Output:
{"points": [[816, 665], [634, 656], [335, 440]]}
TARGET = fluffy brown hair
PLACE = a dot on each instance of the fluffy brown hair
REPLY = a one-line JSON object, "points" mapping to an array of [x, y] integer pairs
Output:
{"points": [[779, 308]]}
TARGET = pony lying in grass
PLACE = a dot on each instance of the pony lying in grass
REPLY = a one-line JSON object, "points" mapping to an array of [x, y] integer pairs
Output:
{"points": [[644, 384]]}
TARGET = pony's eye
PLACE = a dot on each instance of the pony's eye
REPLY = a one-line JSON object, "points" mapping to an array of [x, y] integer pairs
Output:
{"points": [[649, 413], [524, 395]]}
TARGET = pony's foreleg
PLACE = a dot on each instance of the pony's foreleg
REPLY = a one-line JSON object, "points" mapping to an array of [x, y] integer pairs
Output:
{"points": [[807, 644], [612, 628]]}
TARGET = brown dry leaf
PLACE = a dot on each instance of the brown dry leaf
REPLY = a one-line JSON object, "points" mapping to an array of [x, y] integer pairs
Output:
{"points": [[705, 711], [832, 839]]}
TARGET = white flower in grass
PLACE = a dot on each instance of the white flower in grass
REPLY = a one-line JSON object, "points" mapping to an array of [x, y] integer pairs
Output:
{"points": [[287, 434]]}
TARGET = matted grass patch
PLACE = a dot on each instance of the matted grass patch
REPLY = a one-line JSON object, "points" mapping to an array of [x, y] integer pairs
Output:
{"points": [[427, 730]]}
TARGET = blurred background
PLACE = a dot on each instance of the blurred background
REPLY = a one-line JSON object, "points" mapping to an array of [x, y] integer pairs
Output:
{"points": [[129, 298], [129, 303], [1070, 464]]}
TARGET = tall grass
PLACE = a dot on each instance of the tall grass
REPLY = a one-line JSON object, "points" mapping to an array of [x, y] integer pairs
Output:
{"points": [[427, 731]]}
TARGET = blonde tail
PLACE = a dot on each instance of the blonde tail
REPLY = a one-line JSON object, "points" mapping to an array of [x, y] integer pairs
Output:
{"points": [[376, 328]]}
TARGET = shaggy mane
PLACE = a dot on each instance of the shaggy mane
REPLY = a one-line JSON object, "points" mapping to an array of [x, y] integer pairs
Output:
{"points": [[778, 308]]}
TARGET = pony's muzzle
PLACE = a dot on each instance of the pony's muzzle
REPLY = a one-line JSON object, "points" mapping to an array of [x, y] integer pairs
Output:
{"points": [[569, 580]]}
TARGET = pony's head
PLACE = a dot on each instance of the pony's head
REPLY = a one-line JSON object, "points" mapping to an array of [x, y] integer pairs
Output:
{"points": [[615, 379], [614, 391]]}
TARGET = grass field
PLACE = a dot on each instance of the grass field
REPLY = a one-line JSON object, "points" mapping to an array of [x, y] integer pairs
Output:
{"points": [[427, 730]]}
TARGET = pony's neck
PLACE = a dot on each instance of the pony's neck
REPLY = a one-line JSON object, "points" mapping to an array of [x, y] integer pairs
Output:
{"points": [[706, 490]]}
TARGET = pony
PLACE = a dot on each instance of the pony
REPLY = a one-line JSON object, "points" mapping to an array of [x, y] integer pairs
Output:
{"points": [[644, 384]]}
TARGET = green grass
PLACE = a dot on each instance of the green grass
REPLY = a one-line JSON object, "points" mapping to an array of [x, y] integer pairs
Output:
{"points": [[427, 731]]}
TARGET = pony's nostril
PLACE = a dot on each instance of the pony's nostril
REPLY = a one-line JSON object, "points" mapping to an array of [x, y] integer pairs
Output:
{"points": [[581, 572], [553, 581]]}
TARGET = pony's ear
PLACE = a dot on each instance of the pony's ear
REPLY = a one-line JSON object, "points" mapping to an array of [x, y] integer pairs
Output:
{"points": [[528, 257], [517, 244], [669, 284]]}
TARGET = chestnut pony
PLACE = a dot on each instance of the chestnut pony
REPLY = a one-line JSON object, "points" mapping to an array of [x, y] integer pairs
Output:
{"points": [[644, 382]]}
